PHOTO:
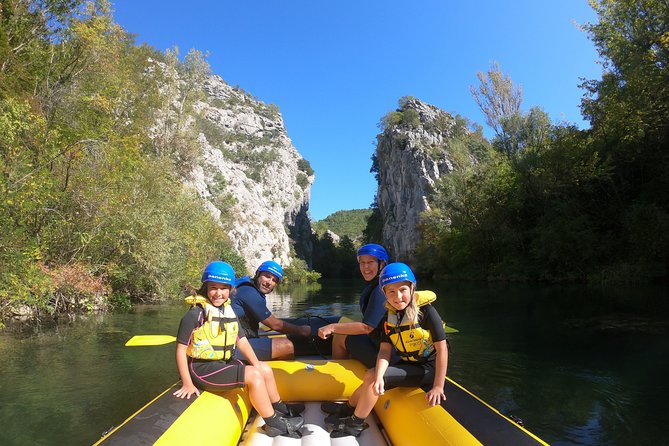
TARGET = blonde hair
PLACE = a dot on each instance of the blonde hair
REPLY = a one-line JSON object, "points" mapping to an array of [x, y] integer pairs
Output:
{"points": [[412, 311]]}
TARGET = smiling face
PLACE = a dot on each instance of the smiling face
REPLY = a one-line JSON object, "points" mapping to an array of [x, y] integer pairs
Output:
{"points": [[398, 294], [369, 267], [266, 282], [218, 293]]}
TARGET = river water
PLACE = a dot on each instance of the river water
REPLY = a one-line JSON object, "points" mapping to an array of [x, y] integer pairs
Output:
{"points": [[580, 366]]}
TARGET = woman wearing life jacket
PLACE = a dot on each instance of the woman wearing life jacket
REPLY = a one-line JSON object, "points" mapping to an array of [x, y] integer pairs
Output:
{"points": [[355, 339], [413, 326], [207, 337]]}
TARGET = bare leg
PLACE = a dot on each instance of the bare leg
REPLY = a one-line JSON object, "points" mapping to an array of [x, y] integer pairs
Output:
{"points": [[364, 398], [339, 347], [282, 348], [270, 382], [258, 392]]}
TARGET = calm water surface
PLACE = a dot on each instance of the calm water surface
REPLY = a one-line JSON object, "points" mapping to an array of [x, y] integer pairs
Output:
{"points": [[579, 366]]}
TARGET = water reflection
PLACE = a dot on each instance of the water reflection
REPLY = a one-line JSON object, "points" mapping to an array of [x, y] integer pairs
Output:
{"points": [[580, 366], [551, 356]]}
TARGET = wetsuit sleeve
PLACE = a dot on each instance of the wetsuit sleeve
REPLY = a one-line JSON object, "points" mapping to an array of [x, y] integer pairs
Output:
{"points": [[376, 308], [379, 333], [432, 321], [254, 305], [189, 322]]}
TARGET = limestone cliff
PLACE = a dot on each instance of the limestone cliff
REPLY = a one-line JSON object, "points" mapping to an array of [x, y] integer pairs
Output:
{"points": [[413, 152], [249, 162]]}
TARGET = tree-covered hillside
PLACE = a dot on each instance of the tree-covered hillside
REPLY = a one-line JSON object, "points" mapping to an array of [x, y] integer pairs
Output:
{"points": [[337, 258], [94, 142], [349, 223]]}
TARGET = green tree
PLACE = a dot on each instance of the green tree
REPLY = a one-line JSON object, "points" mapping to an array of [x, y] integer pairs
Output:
{"points": [[567, 204], [298, 272], [29, 35], [176, 137], [347, 259], [500, 101], [629, 112], [324, 256], [373, 232], [631, 101], [83, 192]]}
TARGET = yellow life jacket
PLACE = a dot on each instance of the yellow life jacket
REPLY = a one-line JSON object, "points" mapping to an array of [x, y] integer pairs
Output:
{"points": [[215, 339], [413, 343]]}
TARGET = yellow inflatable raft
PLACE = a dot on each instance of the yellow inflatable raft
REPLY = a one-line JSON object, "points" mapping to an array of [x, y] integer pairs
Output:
{"points": [[401, 416]]}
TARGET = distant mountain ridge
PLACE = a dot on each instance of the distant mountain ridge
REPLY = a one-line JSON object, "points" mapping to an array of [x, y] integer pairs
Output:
{"points": [[350, 223]]}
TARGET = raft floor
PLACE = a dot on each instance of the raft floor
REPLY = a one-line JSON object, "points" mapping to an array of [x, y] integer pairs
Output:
{"points": [[313, 432]]}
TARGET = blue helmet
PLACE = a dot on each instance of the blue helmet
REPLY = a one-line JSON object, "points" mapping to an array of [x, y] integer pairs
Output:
{"points": [[220, 272], [271, 267], [396, 272], [374, 250]]}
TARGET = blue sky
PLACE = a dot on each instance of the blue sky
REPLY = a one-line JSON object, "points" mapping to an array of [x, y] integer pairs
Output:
{"points": [[335, 68]]}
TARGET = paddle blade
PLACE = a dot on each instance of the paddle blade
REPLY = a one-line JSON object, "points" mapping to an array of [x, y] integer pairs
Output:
{"points": [[448, 329], [146, 340]]}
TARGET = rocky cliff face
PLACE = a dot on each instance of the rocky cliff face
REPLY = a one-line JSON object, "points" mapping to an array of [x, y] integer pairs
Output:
{"points": [[250, 163], [412, 154]]}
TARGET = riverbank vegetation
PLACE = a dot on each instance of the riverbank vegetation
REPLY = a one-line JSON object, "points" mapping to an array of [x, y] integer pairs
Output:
{"points": [[552, 202], [96, 136], [93, 148], [335, 241]]}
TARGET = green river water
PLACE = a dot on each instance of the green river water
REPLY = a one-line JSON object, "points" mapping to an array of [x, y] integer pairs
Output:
{"points": [[580, 366]]}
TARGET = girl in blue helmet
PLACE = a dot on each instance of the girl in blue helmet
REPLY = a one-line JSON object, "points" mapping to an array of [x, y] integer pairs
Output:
{"points": [[355, 339], [206, 342], [415, 328]]}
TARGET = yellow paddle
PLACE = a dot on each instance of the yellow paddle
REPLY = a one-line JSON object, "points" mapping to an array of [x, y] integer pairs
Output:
{"points": [[149, 340], [146, 340]]}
